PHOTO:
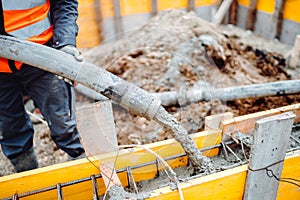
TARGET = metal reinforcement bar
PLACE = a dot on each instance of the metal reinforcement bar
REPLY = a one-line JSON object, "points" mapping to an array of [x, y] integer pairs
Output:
{"points": [[92, 178], [129, 96]]}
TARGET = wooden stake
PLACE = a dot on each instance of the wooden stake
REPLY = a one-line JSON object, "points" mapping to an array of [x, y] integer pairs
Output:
{"points": [[271, 138], [118, 19], [277, 19], [154, 7], [191, 5], [98, 13], [251, 15], [233, 12]]}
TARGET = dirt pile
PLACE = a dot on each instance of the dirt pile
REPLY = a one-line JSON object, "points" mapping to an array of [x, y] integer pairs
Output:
{"points": [[176, 51]]}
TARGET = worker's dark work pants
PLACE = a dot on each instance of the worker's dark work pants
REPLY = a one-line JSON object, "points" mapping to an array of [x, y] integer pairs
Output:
{"points": [[53, 96]]}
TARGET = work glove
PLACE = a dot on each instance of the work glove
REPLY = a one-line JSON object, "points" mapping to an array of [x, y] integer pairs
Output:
{"points": [[70, 49]]}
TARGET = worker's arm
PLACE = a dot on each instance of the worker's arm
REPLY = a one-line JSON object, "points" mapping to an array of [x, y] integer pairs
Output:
{"points": [[64, 15]]}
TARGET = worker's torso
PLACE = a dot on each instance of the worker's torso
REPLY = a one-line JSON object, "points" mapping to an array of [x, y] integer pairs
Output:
{"points": [[26, 19]]}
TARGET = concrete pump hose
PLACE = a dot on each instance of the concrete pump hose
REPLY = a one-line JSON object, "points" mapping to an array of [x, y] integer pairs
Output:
{"points": [[129, 96]]}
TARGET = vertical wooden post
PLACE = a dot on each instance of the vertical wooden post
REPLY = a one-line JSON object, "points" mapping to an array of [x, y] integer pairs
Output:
{"points": [[190, 5], [118, 19], [251, 15], [98, 13], [233, 12], [277, 19], [154, 7], [271, 138]]}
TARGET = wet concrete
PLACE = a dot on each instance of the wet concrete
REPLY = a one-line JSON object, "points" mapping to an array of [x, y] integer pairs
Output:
{"points": [[200, 162]]}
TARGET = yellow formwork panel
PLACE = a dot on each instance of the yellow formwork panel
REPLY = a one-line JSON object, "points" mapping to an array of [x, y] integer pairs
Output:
{"points": [[69, 171], [88, 34], [262, 5], [230, 184], [131, 7], [181, 4], [205, 2], [291, 169], [291, 10], [176, 4], [107, 8]]}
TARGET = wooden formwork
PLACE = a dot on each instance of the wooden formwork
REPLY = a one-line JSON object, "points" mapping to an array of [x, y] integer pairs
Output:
{"points": [[80, 169], [228, 184]]}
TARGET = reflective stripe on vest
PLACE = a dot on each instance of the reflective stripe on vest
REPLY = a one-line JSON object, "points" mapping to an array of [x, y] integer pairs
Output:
{"points": [[21, 5], [32, 30], [26, 19], [31, 21]]}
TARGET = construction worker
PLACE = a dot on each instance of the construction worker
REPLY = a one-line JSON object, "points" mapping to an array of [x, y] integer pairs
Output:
{"points": [[47, 22]]}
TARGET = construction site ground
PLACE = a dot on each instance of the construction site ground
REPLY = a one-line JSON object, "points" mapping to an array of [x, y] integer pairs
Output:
{"points": [[175, 51]]}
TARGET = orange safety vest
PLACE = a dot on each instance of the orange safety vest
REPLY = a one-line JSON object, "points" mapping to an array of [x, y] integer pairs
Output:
{"points": [[26, 19]]}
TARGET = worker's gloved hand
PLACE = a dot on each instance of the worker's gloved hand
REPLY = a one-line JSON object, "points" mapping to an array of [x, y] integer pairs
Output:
{"points": [[70, 49]]}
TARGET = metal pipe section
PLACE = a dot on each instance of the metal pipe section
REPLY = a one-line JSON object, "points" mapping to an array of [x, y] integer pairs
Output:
{"points": [[278, 88], [170, 98]]}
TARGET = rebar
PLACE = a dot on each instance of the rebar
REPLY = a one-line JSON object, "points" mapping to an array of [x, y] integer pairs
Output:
{"points": [[295, 139], [130, 178], [96, 176], [60, 195], [95, 188], [231, 151]]}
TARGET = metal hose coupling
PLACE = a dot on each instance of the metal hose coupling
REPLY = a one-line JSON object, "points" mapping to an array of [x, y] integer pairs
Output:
{"points": [[141, 102]]}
